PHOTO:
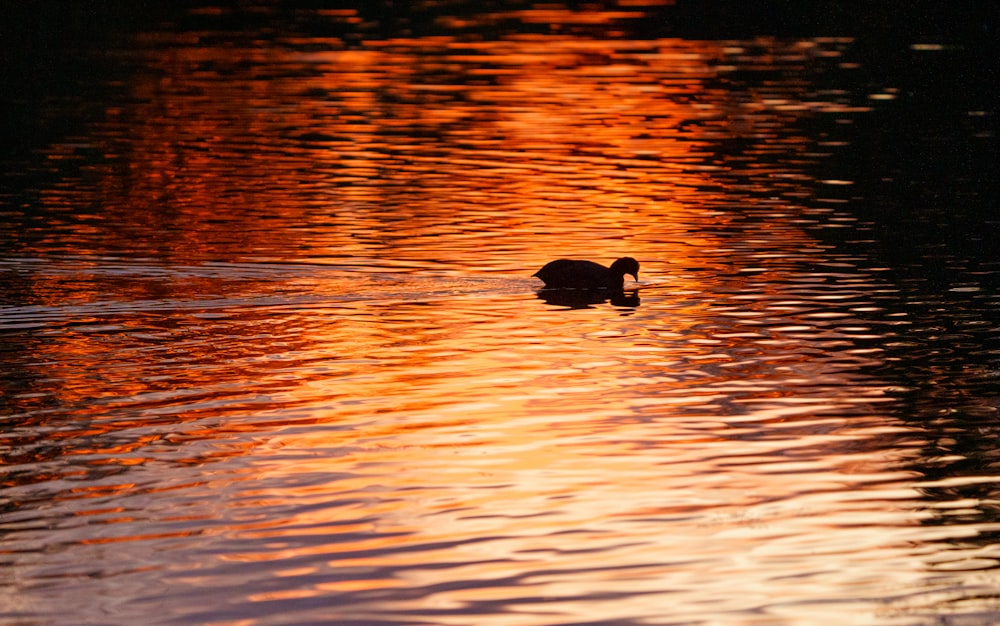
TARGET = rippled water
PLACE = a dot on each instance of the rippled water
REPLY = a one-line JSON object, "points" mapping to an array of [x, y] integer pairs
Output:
{"points": [[272, 352]]}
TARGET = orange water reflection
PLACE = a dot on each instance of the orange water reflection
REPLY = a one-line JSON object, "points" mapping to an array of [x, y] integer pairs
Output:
{"points": [[412, 153], [292, 351]]}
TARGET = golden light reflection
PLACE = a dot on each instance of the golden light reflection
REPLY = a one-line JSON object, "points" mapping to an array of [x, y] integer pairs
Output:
{"points": [[513, 144], [391, 405]]}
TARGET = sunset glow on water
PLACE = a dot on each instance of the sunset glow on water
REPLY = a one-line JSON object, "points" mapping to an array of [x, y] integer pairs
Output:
{"points": [[273, 353]]}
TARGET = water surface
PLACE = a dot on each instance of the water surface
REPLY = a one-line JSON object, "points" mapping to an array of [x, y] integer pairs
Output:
{"points": [[272, 352]]}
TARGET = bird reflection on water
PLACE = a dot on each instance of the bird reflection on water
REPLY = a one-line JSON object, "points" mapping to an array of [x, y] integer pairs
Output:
{"points": [[586, 298]]}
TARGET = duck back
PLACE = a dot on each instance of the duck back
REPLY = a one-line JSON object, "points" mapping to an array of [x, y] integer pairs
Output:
{"points": [[570, 274]]}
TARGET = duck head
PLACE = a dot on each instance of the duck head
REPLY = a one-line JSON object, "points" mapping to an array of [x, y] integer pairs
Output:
{"points": [[626, 266]]}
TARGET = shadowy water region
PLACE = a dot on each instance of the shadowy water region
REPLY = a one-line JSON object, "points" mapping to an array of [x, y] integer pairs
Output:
{"points": [[272, 352]]}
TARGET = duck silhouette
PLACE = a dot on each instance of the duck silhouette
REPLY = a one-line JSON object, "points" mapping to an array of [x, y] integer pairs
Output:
{"points": [[572, 274]]}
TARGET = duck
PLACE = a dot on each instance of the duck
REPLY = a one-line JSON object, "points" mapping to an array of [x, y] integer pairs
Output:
{"points": [[573, 274]]}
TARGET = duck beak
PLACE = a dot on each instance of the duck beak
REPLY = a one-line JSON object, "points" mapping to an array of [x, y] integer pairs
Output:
{"points": [[635, 276]]}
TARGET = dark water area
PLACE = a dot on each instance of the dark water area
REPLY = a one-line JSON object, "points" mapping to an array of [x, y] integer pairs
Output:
{"points": [[271, 351]]}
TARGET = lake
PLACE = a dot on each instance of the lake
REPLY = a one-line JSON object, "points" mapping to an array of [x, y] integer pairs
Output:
{"points": [[272, 351]]}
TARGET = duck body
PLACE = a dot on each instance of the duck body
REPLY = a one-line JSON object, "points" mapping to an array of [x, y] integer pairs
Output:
{"points": [[572, 274]]}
